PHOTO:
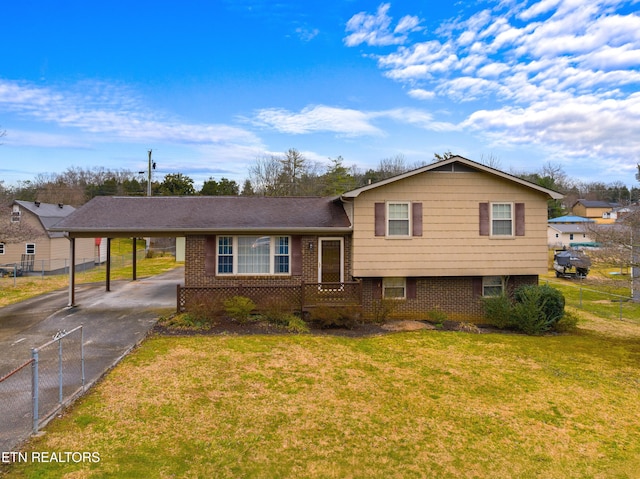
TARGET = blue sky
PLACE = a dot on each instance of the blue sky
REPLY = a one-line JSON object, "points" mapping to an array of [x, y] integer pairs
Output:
{"points": [[211, 86]]}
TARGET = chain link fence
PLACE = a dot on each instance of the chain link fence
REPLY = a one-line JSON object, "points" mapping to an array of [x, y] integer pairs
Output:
{"points": [[586, 296], [16, 406], [34, 392]]}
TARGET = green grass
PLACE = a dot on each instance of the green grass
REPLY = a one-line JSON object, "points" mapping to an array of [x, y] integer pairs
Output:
{"points": [[416, 404], [419, 404], [26, 287]]}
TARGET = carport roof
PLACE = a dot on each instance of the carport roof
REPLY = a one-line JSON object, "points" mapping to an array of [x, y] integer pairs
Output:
{"points": [[128, 216]]}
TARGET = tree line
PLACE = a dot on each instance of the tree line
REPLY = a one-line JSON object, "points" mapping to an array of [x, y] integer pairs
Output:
{"points": [[288, 174]]}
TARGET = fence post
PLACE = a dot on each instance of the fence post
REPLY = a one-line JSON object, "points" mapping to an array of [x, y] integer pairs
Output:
{"points": [[60, 371], [580, 296], [34, 388], [82, 354]]}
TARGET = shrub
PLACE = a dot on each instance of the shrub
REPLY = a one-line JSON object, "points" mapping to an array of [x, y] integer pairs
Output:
{"points": [[383, 307], [185, 322], [537, 309], [498, 311], [277, 310], [550, 300], [437, 316], [239, 308], [296, 324], [336, 316], [568, 323]]}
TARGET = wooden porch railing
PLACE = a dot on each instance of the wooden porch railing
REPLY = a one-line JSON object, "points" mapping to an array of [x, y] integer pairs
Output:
{"points": [[301, 297]]}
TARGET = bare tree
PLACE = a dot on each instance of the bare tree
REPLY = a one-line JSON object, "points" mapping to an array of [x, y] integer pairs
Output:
{"points": [[392, 166], [265, 175], [620, 245], [491, 161]]}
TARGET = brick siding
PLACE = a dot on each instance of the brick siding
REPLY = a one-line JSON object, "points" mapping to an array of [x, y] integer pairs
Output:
{"points": [[453, 296]]}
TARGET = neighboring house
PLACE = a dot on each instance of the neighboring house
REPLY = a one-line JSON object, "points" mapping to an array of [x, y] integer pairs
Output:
{"points": [[616, 214], [436, 238], [48, 252], [570, 231], [595, 210]]}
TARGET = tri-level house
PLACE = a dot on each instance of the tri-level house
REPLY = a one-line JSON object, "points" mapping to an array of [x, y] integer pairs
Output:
{"points": [[439, 237]]}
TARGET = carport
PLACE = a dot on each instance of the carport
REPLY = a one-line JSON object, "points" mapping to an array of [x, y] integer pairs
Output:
{"points": [[122, 217]]}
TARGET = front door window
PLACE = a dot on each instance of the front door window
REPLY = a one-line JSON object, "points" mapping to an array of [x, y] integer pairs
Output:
{"points": [[330, 261]]}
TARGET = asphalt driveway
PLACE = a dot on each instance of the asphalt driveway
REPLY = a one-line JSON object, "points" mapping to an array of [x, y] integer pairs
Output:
{"points": [[113, 323]]}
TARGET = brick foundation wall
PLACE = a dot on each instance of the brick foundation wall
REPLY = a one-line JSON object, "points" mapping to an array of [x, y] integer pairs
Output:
{"points": [[456, 297]]}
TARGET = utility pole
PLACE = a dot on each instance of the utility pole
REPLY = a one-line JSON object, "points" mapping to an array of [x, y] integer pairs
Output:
{"points": [[149, 175], [152, 166]]}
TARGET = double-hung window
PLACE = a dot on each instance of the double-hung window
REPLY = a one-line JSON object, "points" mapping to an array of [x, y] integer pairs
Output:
{"points": [[501, 219], [492, 286], [398, 219], [1, 248], [30, 248], [253, 255], [394, 288]]}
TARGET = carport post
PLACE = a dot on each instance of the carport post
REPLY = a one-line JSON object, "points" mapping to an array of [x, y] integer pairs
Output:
{"points": [[72, 272], [108, 264], [134, 259]]}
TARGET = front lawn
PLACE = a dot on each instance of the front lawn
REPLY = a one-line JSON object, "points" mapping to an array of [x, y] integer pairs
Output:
{"points": [[400, 405]]}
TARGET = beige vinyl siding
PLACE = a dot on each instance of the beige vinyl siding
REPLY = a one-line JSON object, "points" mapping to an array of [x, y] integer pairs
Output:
{"points": [[52, 254], [450, 244]]}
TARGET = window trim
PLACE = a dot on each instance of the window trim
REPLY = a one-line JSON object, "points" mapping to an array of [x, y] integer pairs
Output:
{"points": [[3, 248], [273, 240], [409, 219], [31, 246], [386, 286], [512, 219]]}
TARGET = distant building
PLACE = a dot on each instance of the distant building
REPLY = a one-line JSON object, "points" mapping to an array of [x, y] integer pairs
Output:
{"points": [[597, 211], [48, 252], [570, 231]]}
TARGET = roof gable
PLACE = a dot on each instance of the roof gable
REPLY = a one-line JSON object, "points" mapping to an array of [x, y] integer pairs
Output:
{"points": [[48, 214], [454, 164]]}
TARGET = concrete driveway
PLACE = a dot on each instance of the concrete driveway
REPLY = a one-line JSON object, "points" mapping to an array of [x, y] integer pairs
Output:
{"points": [[113, 323]]}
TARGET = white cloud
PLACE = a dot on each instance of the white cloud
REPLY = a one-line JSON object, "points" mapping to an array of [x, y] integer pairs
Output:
{"points": [[110, 113], [343, 122], [375, 30], [319, 118], [421, 94], [561, 74]]}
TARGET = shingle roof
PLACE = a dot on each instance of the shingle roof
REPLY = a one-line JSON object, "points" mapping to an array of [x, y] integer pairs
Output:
{"points": [[171, 215], [48, 213], [596, 204]]}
